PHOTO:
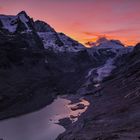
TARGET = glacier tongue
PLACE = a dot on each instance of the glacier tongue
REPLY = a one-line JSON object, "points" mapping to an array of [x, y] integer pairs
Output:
{"points": [[105, 70], [109, 50], [101, 72]]}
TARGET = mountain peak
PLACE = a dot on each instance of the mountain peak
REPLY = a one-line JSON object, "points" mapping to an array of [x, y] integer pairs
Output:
{"points": [[40, 30], [106, 43], [22, 13], [19, 22]]}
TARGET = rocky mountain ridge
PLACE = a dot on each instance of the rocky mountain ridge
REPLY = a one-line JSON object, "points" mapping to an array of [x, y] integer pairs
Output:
{"points": [[37, 64]]}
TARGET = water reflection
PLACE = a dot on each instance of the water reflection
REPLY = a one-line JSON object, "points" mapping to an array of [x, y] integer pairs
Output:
{"points": [[40, 125]]}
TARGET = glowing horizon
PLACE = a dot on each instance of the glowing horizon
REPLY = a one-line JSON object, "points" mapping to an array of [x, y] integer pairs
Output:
{"points": [[84, 20]]}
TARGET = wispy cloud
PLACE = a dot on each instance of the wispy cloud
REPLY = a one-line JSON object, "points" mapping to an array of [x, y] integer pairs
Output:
{"points": [[112, 32], [92, 34], [121, 31]]}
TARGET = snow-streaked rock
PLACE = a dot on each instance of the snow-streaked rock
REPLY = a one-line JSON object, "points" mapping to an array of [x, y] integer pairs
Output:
{"points": [[8, 23], [12, 23], [59, 42]]}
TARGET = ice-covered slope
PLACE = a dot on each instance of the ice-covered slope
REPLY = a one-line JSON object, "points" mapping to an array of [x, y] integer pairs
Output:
{"points": [[70, 44], [58, 42], [102, 71], [39, 30], [108, 46], [107, 51]]}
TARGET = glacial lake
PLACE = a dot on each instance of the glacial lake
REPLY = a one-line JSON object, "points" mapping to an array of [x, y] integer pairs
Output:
{"points": [[40, 125]]}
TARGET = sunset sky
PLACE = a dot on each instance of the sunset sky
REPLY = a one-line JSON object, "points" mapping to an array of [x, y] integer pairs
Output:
{"points": [[84, 20]]}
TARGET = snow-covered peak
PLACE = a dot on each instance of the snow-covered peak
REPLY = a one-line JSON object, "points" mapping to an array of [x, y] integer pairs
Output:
{"points": [[105, 43], [11, 23], [58, 42], [106, 46], [24, 19], [22, 23], [23, 13]]}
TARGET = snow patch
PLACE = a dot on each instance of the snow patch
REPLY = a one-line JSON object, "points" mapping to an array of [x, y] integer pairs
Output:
{"points": [[50, 39], [24, 20], [7, 23], [90, 72], [105, 70], [11, 22], [99, 73]]}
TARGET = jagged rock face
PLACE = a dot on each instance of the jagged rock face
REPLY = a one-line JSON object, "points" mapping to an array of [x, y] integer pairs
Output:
{"points": [[41, 26], [20, 25], [130, 61], [16, 51], [1, 25], [38, 34], [58, 42], [137, 48], [20, 22]]}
